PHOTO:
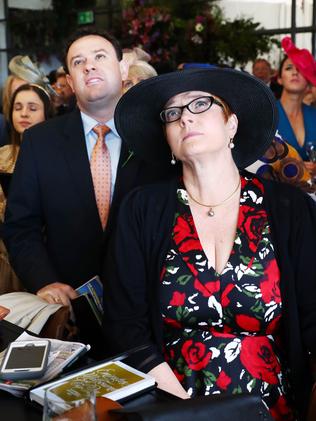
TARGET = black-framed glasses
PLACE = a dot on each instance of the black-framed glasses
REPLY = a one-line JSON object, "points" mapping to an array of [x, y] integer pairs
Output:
{"points": [[196, 106]]}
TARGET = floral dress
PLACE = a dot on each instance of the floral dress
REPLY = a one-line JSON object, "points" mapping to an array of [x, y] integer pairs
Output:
{"points": [[221, 330]]}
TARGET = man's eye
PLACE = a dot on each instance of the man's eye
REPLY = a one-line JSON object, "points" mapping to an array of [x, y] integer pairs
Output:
{"points": [[77, 61], [99, 56]]}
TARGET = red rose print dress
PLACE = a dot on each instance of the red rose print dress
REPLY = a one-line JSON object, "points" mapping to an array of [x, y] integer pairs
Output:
{"points": [[221, 330]]}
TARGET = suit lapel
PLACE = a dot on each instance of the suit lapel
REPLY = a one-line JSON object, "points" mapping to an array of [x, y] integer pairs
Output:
{"points": [[128, 171], [75, 152]]}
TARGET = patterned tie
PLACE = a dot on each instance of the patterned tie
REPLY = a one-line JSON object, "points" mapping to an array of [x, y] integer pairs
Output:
{"points": [[100, 165]]}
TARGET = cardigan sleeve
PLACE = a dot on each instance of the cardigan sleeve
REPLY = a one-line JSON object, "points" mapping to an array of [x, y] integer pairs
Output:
{"points": [[127, 312], [293, 217], [304, 260]]}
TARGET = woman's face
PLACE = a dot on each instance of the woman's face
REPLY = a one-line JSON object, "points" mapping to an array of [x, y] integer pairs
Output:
{"points": [[28, 109], [291, 79], [195, 135], [131, 81]]}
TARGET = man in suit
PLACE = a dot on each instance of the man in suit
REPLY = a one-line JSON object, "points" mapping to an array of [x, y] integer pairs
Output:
{"points": [[53, 230], [262, 70]]}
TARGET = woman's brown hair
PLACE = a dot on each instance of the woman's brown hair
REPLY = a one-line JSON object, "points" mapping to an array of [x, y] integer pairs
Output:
{"points": [[43, 96]]}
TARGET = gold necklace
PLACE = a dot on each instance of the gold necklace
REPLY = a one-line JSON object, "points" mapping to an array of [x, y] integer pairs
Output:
{"points": [[211, 211]]}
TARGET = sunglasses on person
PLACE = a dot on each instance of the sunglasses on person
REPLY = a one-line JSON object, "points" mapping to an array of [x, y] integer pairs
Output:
{"points": [[196, 106]]}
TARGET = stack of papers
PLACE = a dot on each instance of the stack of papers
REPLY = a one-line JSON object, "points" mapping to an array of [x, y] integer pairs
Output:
{"points": [[61, 355]]}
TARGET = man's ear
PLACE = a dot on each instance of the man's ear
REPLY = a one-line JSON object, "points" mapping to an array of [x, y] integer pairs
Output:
{"points": [[124, 66], [70, 83]]}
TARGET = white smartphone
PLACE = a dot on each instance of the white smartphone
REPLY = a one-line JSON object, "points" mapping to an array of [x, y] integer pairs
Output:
{"points": [[25, 360]]}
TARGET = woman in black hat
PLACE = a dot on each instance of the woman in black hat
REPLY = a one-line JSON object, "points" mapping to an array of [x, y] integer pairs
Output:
{"points": [[214, 272]]}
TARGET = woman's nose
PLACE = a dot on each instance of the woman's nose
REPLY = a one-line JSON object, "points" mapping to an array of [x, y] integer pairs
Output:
{"points": [[186, 116], [24, 111]]}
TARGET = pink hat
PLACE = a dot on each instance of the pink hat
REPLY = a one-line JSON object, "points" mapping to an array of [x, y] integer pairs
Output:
{"points": [[301, 58]]}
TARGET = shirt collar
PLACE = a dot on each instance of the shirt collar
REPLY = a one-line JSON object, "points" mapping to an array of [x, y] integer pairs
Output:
{"points": [[89, 123]]}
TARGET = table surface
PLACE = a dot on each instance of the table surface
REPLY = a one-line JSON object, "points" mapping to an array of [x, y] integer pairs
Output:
{"points": [[20, 409]]}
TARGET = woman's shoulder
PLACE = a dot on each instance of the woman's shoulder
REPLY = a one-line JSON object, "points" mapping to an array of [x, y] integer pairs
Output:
{"points": [[8, 154], [154, 203], [279, 191], [152, 192], [154, 198], [309, 110]]}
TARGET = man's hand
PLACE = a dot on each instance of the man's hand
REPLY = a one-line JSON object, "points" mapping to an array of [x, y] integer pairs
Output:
{"points": [[57, 293], [3, 312]]}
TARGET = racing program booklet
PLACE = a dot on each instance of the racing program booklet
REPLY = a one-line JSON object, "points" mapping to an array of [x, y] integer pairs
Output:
{"points": [[114, 380], [90, 292]]}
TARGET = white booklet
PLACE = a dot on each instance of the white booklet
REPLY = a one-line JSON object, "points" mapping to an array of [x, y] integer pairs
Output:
{"points": [[114, 380], [61, 354]]}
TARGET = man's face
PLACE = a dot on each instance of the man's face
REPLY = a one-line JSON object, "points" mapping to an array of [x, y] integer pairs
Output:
{"points": [[95, 74], [262, 71], [63, 89]]}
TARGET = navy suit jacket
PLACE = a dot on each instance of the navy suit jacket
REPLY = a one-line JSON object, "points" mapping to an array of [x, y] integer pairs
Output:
{"points": [[52, 228]]}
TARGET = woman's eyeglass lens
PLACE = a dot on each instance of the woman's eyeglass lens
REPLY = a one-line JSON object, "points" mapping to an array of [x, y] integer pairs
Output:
{"points": [[196, 106]]}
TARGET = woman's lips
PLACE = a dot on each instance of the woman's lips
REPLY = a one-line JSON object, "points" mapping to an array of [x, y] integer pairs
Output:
{"points": [[24, 123], [190, 134]]}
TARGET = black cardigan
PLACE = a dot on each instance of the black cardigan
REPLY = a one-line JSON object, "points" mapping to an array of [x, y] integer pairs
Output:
{"points": [[131, 274]]}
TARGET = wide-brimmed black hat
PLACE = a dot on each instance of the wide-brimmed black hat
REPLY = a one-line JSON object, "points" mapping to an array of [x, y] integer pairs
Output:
{"points": [[137, 113]]}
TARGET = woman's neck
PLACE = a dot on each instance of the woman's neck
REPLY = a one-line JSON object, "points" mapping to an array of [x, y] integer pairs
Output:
{"points": [[211, 182], [292, 102]]}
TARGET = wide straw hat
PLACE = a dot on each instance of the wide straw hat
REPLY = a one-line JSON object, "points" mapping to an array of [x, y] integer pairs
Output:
{"points": [[301, 58], [137, 113]]}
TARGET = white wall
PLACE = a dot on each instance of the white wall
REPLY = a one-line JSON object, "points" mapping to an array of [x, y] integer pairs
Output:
{"points": [[30, 4], [272, 14]]}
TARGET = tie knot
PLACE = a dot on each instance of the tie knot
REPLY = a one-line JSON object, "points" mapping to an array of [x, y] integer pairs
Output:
{"points": [[101, 130]]}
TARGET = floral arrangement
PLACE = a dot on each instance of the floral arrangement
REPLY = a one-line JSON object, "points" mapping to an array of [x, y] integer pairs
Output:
{"points": [[187, 31], [150, 28]]}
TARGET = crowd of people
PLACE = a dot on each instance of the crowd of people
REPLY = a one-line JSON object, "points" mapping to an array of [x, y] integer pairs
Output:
{"points": [[189, 193]]}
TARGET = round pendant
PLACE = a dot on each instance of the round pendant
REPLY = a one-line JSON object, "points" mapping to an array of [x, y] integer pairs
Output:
{"points": [[211, 212]]}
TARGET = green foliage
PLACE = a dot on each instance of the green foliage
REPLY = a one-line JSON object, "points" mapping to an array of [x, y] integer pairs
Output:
{"points": [[239, 42]]}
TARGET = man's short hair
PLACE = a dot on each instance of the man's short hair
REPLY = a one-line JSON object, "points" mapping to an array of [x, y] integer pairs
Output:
{"points": [[261, 60], [84, 32]]}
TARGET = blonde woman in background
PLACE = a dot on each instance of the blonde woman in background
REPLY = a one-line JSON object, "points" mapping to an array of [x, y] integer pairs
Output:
{"points": [[137, 72], [139, 68]]}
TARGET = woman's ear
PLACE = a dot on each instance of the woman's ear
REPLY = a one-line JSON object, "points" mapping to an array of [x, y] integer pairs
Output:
{"points": [[279, 80], [232, 125]]}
